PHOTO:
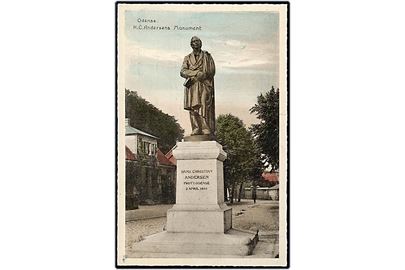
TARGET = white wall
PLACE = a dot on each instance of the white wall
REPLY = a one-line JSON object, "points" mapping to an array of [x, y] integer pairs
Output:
{"points": [[131, 142]]}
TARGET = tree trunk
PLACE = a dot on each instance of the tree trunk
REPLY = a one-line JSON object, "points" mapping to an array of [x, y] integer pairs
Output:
{"points": [[232, 191], [240, 192]]}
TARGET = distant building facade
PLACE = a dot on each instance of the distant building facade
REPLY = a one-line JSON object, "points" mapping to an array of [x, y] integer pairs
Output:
{"points": [[150, 176], [267, 188], [262, 193]]}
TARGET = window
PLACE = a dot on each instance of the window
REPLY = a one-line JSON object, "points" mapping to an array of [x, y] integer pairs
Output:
{"points": [[145, 148], [140, 146]]}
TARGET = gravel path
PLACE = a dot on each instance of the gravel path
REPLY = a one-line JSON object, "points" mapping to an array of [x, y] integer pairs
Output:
{"points": [[136, 230], [262, 216], [147, 211]]}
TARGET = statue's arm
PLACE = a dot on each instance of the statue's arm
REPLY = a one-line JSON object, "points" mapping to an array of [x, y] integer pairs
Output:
{"points": [[185, 72], [211, 67]]}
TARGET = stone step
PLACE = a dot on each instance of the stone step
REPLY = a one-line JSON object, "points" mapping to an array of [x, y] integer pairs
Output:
{"points": [[231, 243]]}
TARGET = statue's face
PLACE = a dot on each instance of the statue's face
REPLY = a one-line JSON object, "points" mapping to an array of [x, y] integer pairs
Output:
{"points": [[195, 43]]}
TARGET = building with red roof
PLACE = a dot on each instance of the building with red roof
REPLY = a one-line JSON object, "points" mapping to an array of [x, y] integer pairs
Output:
{"points": [[162, 159], [170, 157], [129, 155], [271, 177], [150, 175]]}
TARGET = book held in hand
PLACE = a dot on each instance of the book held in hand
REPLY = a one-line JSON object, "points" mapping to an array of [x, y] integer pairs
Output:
{"points": [[188, 82]]}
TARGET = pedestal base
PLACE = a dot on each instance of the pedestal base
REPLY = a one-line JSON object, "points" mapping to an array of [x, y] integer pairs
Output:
{"points": [[199, 218], [199, 138], [197, 245]]}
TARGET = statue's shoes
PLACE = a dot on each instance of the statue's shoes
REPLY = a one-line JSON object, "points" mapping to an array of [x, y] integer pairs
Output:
{"points": [[206, 132], [195, 131]]}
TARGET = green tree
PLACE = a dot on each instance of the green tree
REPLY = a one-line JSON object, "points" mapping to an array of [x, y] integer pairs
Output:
{"points": [[148, 118], [243, 158], [267, 131]]}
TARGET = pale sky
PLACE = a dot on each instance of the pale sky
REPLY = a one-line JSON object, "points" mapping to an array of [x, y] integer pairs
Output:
{"points": [[244, 46]]}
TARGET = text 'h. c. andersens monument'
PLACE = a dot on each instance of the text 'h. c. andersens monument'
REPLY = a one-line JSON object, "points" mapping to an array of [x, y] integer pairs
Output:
{"points": [[200, 223]]}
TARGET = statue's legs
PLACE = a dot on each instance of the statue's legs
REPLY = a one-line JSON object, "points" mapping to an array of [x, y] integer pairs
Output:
{"points": [[204, 126], [195, 125], [205, 104]]}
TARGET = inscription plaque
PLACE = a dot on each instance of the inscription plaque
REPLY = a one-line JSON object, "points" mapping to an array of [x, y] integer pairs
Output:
{"points": [[196, 180]]}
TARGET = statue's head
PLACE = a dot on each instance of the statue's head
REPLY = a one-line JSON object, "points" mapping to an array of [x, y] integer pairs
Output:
{"points": [[196, 43]]}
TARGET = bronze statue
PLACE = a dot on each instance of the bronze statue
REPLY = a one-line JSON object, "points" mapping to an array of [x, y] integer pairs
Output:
{"points": [[199, 69]]}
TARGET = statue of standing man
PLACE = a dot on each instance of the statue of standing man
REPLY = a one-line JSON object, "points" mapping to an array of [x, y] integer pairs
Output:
{"points": [[199, 69]]}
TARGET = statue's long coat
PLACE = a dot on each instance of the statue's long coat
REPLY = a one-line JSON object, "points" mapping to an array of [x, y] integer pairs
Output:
{"points": [[192, 95]]}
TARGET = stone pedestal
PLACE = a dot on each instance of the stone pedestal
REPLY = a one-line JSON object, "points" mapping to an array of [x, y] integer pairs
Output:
{"points": [[200, 203], [200, 222]]}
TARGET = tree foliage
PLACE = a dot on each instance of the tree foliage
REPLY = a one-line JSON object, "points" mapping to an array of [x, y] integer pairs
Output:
{"points": [[148, 118], [267, 131], [243, 158]]}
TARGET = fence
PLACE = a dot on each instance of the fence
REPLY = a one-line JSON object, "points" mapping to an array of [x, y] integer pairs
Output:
{"points": [[263, 193]]}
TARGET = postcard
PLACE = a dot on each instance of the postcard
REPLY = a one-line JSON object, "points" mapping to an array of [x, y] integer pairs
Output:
{"points": [[202, 134]]}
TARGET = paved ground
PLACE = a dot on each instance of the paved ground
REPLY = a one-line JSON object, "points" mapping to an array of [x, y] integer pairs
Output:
{"points": [[147, 212], [262, 216]]}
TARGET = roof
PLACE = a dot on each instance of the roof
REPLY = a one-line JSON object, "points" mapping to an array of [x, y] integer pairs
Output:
{"points": [[131, 131], [170, 157], [270, 176], [163, 159], [128, 154]]}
